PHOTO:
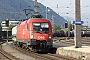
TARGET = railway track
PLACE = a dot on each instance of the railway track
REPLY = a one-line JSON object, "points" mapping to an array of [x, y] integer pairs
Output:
{"points": [[12, 53], [6, 56], [70, 40], [43, 56], [50, 56]]}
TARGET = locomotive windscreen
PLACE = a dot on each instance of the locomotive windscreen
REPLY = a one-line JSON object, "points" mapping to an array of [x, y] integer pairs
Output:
{"points": [[40, 27]]}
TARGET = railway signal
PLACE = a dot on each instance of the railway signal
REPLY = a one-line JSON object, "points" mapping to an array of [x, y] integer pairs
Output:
{"points": [[7, 22], [66, 25]]}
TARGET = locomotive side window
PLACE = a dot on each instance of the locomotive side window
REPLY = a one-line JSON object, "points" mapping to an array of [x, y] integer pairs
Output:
{"points": [[41, 27]]}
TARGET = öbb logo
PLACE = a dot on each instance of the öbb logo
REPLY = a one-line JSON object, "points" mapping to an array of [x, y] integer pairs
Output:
{"points": [[41, 37]]}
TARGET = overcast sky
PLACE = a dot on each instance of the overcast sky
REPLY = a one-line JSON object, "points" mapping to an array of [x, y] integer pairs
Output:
{"points": [[60, 7]]}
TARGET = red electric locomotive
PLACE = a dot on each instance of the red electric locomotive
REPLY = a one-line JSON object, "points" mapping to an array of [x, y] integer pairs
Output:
{"points": [[35, 33]]}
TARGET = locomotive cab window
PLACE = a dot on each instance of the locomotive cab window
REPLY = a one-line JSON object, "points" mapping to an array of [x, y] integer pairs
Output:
{"points": [[40, 27]]}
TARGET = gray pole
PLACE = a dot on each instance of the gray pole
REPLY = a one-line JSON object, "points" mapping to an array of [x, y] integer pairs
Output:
{"points": [[68, 28], [52, 21], [77, 32], [35, 7], [46, 12], [30, 14]]}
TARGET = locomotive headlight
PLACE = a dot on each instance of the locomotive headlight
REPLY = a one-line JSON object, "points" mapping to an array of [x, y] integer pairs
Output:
{"points": [[31, 36], [50, 37]]}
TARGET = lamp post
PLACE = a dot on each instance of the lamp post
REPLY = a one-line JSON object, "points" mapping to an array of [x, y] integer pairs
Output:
{"points": [[69, 22], [52, 21], [68, 25], [87, 26], [47, 10]]}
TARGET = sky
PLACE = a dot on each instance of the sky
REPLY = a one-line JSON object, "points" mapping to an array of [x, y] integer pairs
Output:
{"points": [[62, 7]]}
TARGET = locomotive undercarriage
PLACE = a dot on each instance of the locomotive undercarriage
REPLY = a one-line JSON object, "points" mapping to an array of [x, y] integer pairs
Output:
{"points": [[42, 45], [35, 45]]}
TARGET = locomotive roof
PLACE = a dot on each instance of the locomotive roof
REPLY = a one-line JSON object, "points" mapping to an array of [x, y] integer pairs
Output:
{"points": [[34, 20], [37, 19]]}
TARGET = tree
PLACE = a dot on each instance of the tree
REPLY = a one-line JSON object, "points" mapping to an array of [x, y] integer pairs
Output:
{"points": [[10, 27], [56, 27], [70, 27]]}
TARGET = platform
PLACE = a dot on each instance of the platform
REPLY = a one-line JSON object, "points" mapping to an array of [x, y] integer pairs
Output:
{"points": [[71, 51]]}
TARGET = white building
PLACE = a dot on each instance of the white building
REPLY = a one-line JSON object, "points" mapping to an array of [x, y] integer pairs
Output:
{"points": [[12, 22]]}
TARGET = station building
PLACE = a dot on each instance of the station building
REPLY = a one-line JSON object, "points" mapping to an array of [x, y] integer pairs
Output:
{"points": [[11, 22]]}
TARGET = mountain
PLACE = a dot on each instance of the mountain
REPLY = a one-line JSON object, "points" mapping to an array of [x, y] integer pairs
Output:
{"points": [[13, 9]]}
